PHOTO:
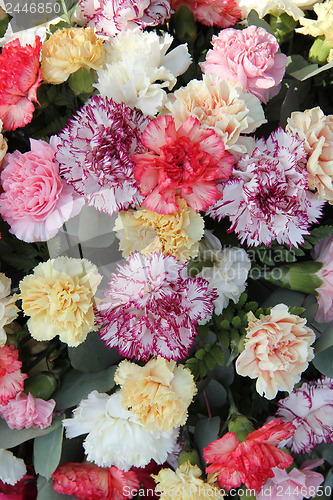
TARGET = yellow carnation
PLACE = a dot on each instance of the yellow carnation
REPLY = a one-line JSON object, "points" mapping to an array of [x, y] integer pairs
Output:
{"points": [[185, 483], [158, 393], [323, 26], [176, 234], [316, 130], [68, 50], [3, 144], [8, 309], [59, 298]]}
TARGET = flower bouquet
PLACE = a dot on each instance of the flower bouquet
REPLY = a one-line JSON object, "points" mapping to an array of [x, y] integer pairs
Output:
{"points": [[166, 284]]}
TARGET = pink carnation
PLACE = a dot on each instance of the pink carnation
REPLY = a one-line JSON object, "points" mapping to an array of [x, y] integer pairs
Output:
{"points": [[323, 252], [11, 377], [109, 17], [294, 485], [310, 409], [95, 155], [153, 307], [248, 57], [188, 162], [36, 201], [20, 77], [87, 481], [267, 196], [25, 411], [221, 13]]}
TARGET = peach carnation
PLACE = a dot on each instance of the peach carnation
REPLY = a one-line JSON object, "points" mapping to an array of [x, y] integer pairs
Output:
{"points": [[221, 13], [59, 298], [68, 50], [277, 350], [8, 309], [185, 483], [177, 233], [220, 105], [316, 130], [158, 393]]}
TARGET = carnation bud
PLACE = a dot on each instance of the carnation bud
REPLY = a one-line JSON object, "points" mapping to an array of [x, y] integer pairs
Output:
{"points": [[320, 50], [81, 82], [191, 456], [185, 25], [241, 426], [300, 276], [41, 385], [283, 27]]}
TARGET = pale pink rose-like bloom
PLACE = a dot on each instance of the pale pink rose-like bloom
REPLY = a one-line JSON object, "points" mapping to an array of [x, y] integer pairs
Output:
{"points": [[248, 57], [25, 411], [294, 485], [310, 409], [277, 350], [36, 201], [11, 377], [323, 252], [221, 13], [109, 17]]}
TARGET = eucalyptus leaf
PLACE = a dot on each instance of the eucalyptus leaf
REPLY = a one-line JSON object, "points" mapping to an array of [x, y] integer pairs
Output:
{"points": [[47, 452], [103, 357], [46, 491], [324, 341], [255, 20], [9, 438], [76, 385], [323, 361], [206, 431], [216, 395], [283, 296]]}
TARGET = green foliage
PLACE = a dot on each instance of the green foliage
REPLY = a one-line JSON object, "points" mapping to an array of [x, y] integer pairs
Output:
{"points": [[103, 357], [323, 361], [46, 491], [206, 431], [10, 438], [47, 452], [23, 256]]}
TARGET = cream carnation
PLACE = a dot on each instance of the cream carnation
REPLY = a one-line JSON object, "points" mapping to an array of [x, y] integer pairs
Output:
{"points": [[114, 435], [137, 69], [185, 483], [68, 50], [12, 469], [8, 309], [59, 298], [323, 26], [316, 130], [177, 233], [262, 7], [158, 393], [277, 350], [221, 105]]}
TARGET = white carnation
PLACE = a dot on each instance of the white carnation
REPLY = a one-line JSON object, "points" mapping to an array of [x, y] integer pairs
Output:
{"points": [[114, 436], [12, 469], [262, 7], [137, 69], [228, 274]]}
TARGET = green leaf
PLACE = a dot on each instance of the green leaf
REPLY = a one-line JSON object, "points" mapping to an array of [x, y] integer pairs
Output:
{"points": [[216, 395], [103, 357], [46, 491], [218, 354], [254, 19], [47, 452], [210, 361], [9, 438], [206, 431], [283, 296], [323, 361], [200, 354], [76, 385], [325, 341]]}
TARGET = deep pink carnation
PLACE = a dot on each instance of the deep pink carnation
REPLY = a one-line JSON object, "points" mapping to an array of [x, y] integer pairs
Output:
{"points": [[20, 77], [11, 377], [248, 57], [25, 411], [87, 481], [187, 162], [310, 409], [221, 13], [95, 155], [152, 307], [323, 252], [109, 17], [36, 201], [267, 196]]}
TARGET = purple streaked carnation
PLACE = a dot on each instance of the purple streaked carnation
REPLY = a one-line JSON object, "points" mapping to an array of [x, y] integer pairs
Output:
{"points": [[109, 17], [266, 197], [152, 307], [310, 409], [95, 156]]}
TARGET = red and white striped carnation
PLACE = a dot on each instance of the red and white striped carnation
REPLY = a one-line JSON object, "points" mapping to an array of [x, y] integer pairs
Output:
{"points": [[152, 307], [267, 197], [95, 156]]}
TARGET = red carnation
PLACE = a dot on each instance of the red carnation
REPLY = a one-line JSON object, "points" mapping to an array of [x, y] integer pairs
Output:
{"points": [[249, 462], [19, 79]]}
